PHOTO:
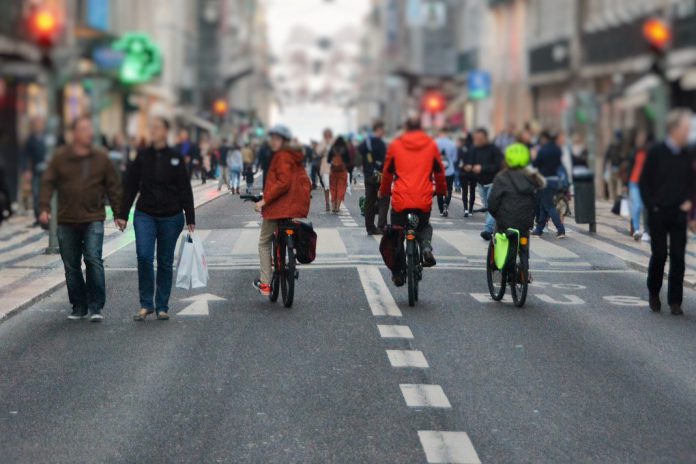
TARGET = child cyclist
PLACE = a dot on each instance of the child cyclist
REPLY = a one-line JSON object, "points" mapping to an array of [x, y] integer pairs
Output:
{"points": [[512, 197]]}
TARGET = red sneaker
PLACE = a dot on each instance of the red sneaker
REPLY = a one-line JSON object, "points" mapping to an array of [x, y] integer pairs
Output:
{"points": [[263, 289]]}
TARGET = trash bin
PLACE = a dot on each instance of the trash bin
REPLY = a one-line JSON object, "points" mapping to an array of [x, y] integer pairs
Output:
{"points": [[583, 184]]}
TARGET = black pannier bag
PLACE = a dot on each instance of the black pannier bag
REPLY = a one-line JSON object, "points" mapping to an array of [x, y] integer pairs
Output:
{"points": [[305, 243], [391, 247]]}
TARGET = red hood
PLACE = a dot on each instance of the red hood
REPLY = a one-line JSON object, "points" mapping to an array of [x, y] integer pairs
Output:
{"points": [[295, 151], [415, 141]]}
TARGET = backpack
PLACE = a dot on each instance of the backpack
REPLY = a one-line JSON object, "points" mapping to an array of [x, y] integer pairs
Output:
{"points": [[305, 243]]}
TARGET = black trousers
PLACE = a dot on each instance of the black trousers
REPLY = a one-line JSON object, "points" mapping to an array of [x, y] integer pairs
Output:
{"points": [[468, 194], [314, 173], [444, 200], [375, 206], [424, 230], [667, 225]]}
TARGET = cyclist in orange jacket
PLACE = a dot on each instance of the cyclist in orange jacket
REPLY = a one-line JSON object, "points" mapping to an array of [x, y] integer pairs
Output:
{"points": [[413, 161]]}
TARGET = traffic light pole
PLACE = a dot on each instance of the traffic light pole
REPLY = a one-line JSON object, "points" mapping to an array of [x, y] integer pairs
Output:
{"points": [[53, 127]]}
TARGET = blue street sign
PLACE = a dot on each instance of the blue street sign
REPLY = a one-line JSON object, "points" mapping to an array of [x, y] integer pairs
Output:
{"points": [[98, 14], [479, 84]]}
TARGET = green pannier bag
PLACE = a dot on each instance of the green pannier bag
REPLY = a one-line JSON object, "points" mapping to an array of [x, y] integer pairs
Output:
{"points": [[501, 248]]}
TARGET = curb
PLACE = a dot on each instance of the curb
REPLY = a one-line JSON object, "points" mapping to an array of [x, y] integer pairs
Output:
{"points": [[4, 316]]}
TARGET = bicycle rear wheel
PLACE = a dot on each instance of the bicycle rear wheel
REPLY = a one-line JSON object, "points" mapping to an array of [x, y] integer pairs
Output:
{"points": [[412, 279], [277, 270], [519, 282], [287, 278], [494, 276]]}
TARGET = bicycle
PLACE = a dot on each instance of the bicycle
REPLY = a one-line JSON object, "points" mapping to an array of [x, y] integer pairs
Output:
{"points": [[283, 258], [414, 259], [514, 271]]}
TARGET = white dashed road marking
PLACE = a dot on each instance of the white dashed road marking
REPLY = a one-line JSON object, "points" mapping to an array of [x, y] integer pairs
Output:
{"points": [[378, 295], [424, 396], [448, 447], [407, 358], [395, 331]]}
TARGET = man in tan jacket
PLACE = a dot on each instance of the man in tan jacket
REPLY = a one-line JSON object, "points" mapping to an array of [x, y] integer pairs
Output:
{"points": [[83, 176]]}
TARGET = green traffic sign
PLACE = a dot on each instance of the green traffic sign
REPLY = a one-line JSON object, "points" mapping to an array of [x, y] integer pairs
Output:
{"points": [[142, 59]]}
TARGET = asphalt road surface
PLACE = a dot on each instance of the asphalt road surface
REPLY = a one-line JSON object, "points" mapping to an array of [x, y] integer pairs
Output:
{"points": [[585, 373]]}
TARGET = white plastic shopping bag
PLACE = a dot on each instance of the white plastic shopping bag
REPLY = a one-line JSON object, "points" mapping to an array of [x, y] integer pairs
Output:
{"points": [[199, 270], [185, 265], [625, 208]]}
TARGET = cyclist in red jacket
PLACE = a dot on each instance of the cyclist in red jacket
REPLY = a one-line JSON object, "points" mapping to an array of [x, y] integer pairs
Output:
{"points": [[412, 162]]}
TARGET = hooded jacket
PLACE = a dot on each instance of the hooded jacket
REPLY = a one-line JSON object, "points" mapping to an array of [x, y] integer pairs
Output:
{"points": [[512, 198], [287, 189], [411, 162]]}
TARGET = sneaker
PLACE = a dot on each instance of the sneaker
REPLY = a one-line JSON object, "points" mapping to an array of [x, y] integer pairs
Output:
{"points": [[637, 235], [466, 214], [560, 235], [78, 314], [399, 280], [536, 233], [655, 304], [428, 258], [676, 309], [263, 289], [445, 213], [162, 316], [646, 237], [96, 317], [487, 236]]}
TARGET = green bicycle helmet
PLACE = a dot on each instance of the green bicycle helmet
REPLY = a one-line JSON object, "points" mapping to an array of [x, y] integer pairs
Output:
{"points": [[517, 156]]}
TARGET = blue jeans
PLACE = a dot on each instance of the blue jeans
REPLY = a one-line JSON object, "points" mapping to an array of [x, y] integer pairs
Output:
{"points": [[77, 241], [547, 209], [636, 205], [235, 177], [490, 222], [164, 232]]}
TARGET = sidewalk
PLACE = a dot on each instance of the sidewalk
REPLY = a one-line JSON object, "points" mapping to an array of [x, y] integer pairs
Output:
{"points": [[27, 273], [613, 237]]}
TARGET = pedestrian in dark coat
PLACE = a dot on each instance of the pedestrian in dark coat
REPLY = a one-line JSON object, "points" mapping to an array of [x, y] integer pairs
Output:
{"points": [[666, 186]]}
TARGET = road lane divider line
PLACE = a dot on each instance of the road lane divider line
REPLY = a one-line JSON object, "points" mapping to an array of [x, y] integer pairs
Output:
{"points": [[407, 358], [395, 331], [424, 396], [448, 447], [377, 293]]}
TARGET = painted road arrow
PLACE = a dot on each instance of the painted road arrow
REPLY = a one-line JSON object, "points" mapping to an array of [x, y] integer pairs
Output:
{"points": [[199, 305]]}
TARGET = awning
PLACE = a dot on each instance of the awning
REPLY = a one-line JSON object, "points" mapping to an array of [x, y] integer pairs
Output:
{"points": [[688, 80], [637, 94], [197, 121]]}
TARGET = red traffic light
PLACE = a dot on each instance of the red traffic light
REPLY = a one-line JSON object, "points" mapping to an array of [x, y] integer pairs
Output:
{"points": [[43, 26], [220, 107], [434, 102], [657, 32]]}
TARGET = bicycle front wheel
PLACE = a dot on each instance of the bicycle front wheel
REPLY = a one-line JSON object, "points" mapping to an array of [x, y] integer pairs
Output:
{"points": [[519, 282], [287, 279], [494, 276]]}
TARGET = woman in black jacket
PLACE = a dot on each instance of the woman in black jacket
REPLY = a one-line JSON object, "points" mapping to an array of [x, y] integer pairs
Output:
{"points": [[159, 174]]}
